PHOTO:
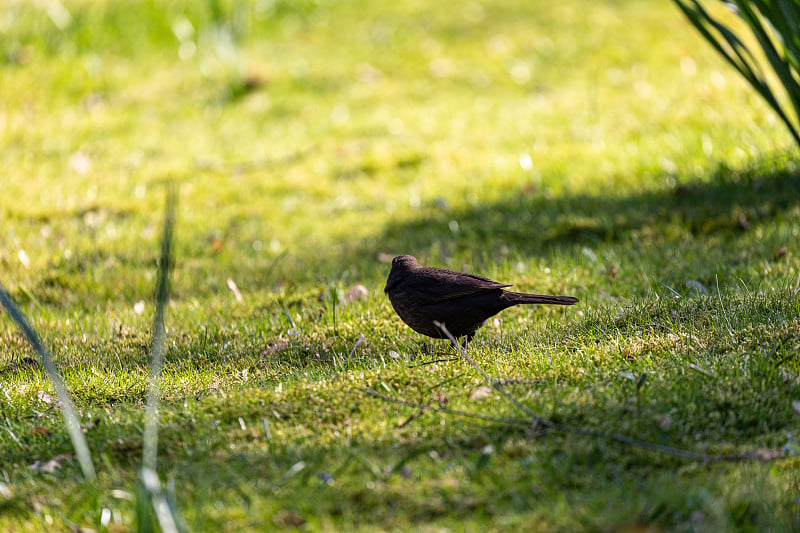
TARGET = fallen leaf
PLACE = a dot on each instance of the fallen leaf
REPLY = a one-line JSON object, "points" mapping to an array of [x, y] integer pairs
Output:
{"points": [[698, 368], [232, 286], [46, 398], [122, 495], [252, 82], [288, 519], [480, 393], [441, 399], [766, 454], [105, 516], [80, 163], [40, 431], [696, 285], [698, 517], [742, 223], [93, 218], [24, 259], [357, 292], [275, 347], [780, 252], [51, 465]]}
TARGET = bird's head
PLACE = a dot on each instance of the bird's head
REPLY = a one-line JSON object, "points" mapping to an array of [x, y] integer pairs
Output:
{"points": [[400, 266], [404, 262]]}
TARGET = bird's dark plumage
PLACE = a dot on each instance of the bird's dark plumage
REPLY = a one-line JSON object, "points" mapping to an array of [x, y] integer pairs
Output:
{"points": [[462, 302]]}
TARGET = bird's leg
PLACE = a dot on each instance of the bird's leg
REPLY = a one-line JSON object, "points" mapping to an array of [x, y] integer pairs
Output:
{"points": [[467, 339]]}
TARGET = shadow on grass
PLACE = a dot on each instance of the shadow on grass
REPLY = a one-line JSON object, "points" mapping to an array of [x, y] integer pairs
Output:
{"points": [[689, 228], [465, 469], [532, 224]]}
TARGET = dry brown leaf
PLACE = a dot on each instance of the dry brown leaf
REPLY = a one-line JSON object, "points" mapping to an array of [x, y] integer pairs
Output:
{"points": [[46, 398], [288, 519], [235, 290], [742, 223], [275, 347], [51, 465], [40, 431], [441, 399], [480, 393], [357, 292], [766, 454]]}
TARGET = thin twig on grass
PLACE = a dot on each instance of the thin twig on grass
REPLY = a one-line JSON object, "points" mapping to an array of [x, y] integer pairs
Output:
{"points": [[764, 455], [494, 384], [434, 361], [522, 422], [539, 423]]}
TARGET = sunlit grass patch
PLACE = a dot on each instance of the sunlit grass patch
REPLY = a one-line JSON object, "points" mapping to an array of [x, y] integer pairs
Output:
{"points": [[598, 150]]}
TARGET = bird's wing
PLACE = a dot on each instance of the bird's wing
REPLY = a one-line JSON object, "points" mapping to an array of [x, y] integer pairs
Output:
{"points": [[446, 285]]}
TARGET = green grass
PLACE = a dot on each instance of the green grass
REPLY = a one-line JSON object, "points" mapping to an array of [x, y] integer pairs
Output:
{"points": [[600, 150]]}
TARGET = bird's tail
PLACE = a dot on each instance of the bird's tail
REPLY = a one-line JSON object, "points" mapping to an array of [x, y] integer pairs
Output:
{"points": [[522, 298]]}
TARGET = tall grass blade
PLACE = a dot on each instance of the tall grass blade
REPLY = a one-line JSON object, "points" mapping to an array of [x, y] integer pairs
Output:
{"points": [[776, 26], [73, 425], [165, 514], [158, 343]]}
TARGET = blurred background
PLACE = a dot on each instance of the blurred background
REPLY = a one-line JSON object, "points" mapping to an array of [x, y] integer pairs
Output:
{"points": [[313, 140]]}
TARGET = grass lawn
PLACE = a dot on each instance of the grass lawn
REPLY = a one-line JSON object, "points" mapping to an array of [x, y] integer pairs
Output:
{"points": [[594, 149]]}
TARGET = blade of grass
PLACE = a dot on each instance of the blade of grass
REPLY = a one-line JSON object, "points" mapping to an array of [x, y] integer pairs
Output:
{"points": [[158, 343], [779, 64], [73, 425], [739, 56], [165, 513]]}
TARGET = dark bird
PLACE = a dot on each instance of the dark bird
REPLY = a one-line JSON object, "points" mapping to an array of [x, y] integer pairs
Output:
{"points": [[462, 302]]}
